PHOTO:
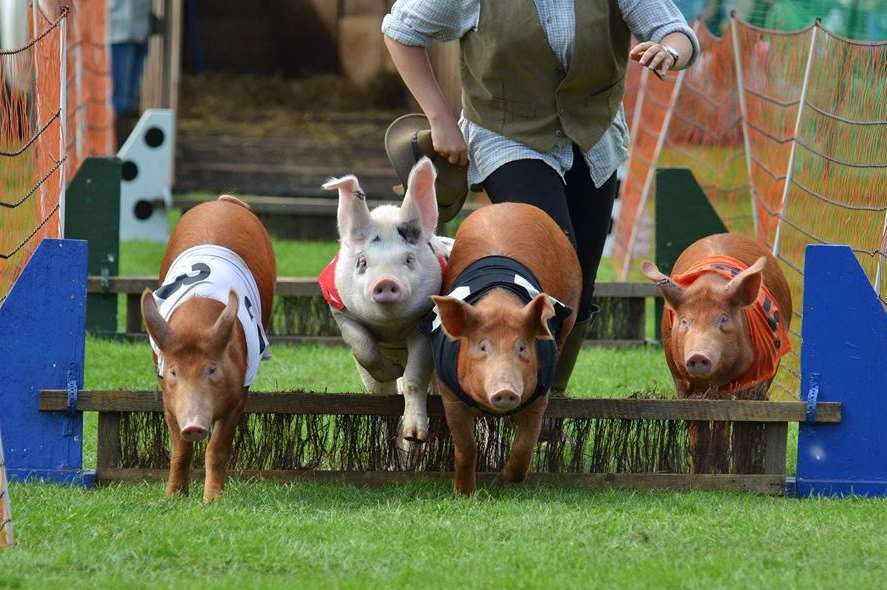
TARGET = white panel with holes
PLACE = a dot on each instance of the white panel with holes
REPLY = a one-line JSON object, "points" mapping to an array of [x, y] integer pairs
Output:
{"points": [[145, 195]]}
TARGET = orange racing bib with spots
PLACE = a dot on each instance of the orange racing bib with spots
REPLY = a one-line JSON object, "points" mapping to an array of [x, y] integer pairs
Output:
{"points": [[765, 320]]}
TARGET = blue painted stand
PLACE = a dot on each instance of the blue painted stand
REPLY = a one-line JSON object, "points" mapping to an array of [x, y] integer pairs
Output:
{"points": [[42, 337], [843, 360]]}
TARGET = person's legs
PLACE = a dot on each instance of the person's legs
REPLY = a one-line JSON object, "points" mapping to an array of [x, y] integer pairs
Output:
{"points": [[533, 182], [590, 210], [127, 64]]}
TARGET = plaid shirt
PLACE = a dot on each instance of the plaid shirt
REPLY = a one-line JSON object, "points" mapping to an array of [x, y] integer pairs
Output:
{"points": [[420, 22]]}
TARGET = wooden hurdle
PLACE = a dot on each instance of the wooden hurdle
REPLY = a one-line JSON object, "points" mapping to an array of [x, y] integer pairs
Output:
{"points": [[774, 416]]}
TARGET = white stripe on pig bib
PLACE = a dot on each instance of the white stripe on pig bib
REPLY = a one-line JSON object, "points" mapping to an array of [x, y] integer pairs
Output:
{"points": [[210, 271]]}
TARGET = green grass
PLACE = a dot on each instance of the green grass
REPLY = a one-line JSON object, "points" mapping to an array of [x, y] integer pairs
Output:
{"points": [[266, 535]]}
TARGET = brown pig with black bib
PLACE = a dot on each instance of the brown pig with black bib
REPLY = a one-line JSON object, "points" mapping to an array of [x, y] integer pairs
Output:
{"points": [[511, 287], [207, 326]]}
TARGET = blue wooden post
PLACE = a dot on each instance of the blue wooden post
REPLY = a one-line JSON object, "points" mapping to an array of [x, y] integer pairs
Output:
{"points": [[42, 337], [843, 360]]}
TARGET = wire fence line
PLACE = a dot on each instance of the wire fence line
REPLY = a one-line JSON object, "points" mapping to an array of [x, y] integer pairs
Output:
{"points": [[785, 131], [55, 110]]}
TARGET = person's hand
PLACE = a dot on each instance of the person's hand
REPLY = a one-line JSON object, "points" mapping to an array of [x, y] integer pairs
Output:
{"points": [[448, 141], [652, 56]]}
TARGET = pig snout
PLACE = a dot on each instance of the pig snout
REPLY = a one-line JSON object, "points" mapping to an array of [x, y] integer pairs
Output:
{"points": [[504, 391], [699, 364], [387, 290], [504, 399], [194, 430]]}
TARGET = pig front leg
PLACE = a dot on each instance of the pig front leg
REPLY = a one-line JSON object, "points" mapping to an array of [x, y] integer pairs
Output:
{"points": [[218, 453], [460, 420], [366, 351], [529, 425], [413, 386], [180, 459]]}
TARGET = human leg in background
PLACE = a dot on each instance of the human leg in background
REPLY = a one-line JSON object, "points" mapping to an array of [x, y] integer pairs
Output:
{"points": [[127, 64], [590, 211], [582, 211]]}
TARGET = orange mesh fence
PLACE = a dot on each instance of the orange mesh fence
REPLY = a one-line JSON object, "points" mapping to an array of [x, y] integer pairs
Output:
{"points": [[771, 66], [705, 132], [5, 511], [31, 145], [55, 110], [836, 186], [808, 109], [89, 114], [651, 113], [97, 85]]}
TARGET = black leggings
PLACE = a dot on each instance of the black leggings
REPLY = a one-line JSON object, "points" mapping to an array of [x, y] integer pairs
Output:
{"points": [[582, 210]]}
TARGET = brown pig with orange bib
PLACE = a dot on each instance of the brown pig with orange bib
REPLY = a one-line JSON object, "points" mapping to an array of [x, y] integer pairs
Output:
{"points": [[207, 326], [512, 285], [724, 330]]}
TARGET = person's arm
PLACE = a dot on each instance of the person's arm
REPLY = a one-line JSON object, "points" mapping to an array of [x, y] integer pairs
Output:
{"points": [[414, 67], [659, 24], [409, 29]]}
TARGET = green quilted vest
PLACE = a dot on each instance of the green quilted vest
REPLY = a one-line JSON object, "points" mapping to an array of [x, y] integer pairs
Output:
{"points": [[513, 84]]}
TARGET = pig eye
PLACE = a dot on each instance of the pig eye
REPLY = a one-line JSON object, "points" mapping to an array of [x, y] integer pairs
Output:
{"points": [[723, 319], [361, 264], [522, 348], [411, 260], [484, 346], [172, 371], [685, 323], [211, 370]]}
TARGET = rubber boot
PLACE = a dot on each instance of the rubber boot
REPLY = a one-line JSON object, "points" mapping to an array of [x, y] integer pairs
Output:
{"points": [[569, 353]]}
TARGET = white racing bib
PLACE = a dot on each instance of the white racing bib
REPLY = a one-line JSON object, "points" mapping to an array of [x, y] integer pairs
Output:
{"points": [[210, 271]]}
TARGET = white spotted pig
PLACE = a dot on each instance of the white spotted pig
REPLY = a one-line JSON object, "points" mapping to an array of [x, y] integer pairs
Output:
{"points": [[380, 284]]}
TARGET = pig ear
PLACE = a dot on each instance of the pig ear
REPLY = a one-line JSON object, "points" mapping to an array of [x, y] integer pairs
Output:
{"points": [[670, 291], [224, 326], [154, 322], [536, 315], [420, 202], [456, 316], [743, 288], [353, 214]]}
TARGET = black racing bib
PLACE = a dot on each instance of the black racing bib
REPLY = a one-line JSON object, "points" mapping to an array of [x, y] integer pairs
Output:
{"points": [[482, 276]]}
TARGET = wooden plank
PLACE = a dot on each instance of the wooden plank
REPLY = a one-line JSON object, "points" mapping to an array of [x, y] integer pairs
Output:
{"points": [[763, 484], [777, 440], [134, 313], [392, 405], [307, 286], [108, 445]]}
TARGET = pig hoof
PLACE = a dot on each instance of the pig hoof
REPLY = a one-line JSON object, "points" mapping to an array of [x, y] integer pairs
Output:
{"points": [[415, 430], [176, 490], [210, 497]]}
